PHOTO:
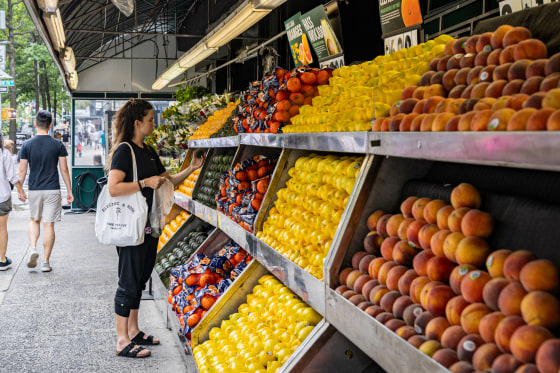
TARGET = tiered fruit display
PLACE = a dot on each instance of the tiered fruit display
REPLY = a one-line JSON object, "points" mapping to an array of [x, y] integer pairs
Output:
{"points": [[210, 179], [262, 335], [421, 275], [496, 81], [305, 217], [179, 254], [242, 189], [171, 227], [187, 185], [215, 122], [196, 285], [269, 104], [356, 94]]}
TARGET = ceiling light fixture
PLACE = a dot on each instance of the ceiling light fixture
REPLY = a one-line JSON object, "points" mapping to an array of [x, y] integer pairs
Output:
{"points": [[68, 59]]}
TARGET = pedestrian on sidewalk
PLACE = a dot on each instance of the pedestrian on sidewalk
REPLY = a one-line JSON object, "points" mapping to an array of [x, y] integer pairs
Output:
{"points": [[135, 121], [44, 155], [8, 177]]}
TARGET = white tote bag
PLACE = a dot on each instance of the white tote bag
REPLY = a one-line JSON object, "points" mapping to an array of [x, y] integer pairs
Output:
{"points": [[161, 206], [121, 221]]}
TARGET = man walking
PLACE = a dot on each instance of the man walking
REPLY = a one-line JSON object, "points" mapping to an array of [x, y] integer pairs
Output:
{"points": [[44, 154]]}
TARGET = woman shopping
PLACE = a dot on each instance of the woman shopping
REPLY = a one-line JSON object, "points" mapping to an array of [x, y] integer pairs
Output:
{"points": [[135, 121]]}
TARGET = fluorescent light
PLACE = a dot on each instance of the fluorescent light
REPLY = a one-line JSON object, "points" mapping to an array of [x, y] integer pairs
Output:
{"points": [[48, 5], [236, 24], [268, 4], [73, 80], [195, 55], [160, 84], [68, 60], [55, 28]]}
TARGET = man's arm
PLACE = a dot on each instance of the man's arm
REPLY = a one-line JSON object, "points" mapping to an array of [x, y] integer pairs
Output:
{"points": [[22, 170], [66, 177]]}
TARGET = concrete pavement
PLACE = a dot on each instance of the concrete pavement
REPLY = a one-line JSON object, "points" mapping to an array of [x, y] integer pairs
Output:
{"points": [[63, 321]]}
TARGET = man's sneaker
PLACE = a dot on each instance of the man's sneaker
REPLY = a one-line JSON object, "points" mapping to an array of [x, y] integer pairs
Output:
{"points": [[46, 267], [32, 263], [5, 265]]}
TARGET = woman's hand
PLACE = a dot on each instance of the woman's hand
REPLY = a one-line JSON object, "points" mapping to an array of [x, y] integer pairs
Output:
{"points": [[154, 182], [196, 163]]}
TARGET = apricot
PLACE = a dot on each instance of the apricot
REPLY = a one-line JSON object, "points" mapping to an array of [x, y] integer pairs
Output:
{"points": [[509, 301], [472, 250], [425, 235], [505, 330], [471, 315], [405, 332], [468, 345], [484, 356], [420, 262], [518, 121], [374, 266], [437, 299], [505, 363], [417, 340], [400, 304], [457, 276], [401, 232], [539, 274], [384, 272], [548, 356], [394, 275], [454, 309], [515, 262], [488, 324], [364, 263], [411, 313], [491, 291], [446, 357], [437, 241], [372, 243], [541, 308], [406, 206], [526, 340], [373, 218], [454, 220], [473, 285], [404, 253], [406, 280], [532, 49], [451, 244], [465, 195], [439, 268], [451, 336], [343, 275], [417, 286], [443, 216], [387, 247]]}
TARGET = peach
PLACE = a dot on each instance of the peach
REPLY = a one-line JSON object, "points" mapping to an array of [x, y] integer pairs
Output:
{"points": [[442, 216], [471, 315], [459, 45], [536, 68], [540, 274], [418, 208], [343, 275], [377, 293], [491, 291], [426, 290], [453, 125], [393, 223], [483, 43], [427, 122], [465, 121], [518, 121], [357, 258], [372, 243], [509, 300], [442, 63], [499, 122], [411, 313], [467, 60], [433, 64], [454, 309], [394, 324], [470, 44], [405, 332], [532, 49], [488, 325], [455, 61], [437, 241], [516, 35], [419, 92], [461, 76], [417, 286], [419, 107], [481, 59], [426, 78], [436, 327], [505, 363], [401, 232], [505, 330], [364, 263], [394, 275], [349, 294], [440, 123], [473, 284], [406, 106], [395, 122], [468, 105], [394, 110], [472, 250], [430, 347], [501, 71], [465, 195], [531, 85], [407, 92], [552, 65], [383, 317], [406, 280], [417, 340], [455, 218], [485, 103], [388, 299], [474, 76], [527, 368], [373, 218], [484, 356], [434, 90], [360, 282], [513, 87], [538, 120], [479, 89], [457, 91], [406, 206], [352, 277], [446, 357], [387, 247], [451, 244], [406, 122], [368, 286], [552, 99], [357, 299], [437, 299], [553, 122], [495, 262], [425, 235], [468, 345], [480, 120], [500, 103], [496, 41], [514, 263], [451, 336], [439, 268], [420, 262], [381, 226], [548, 356], [440, 108], [384, 272], [373, 310], [376, 127], [495, 88], [507, 55], [461, 367], [494, 57], [526, 340], [541, 308], [453, 105], [374, 266], [404, 253], [412, 232], [341, 289], [476, 222], [421, 321], [364, 305], [518, 69], [550, 82], [457, 276], [400, 304]]}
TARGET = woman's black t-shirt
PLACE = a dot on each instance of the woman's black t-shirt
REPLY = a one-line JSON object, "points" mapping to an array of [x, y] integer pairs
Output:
{"points": [[148, 164]]}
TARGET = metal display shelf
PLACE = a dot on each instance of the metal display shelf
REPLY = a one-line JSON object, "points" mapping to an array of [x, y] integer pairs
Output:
{"points": [[196, 208], [347, 142], [217, 142], [183, 201], [245, 239], [533, 150]]}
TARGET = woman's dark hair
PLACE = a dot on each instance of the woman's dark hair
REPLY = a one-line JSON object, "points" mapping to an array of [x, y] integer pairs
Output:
{"points": [[123, 126]]}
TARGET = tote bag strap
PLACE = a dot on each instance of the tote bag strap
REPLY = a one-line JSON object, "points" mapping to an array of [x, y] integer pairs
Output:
{"points": [[133, 161]]}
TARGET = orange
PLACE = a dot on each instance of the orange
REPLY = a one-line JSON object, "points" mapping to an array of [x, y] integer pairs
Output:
{"points": [[262, 186], [207, 301], [192, 280], [206, 279], [256, 204], [410, 11], [193, 320], [241, 176], [293, 84], [253, 175]]}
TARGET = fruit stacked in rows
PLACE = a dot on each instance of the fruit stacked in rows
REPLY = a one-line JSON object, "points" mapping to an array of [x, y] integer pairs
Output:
{"points": [[347, 103], [196, 285], [171, 227], [269, 104], [305, 217], [495, 81], [242, 189], [187, 185], [262, 335], [429, 276], [214, 122], [210, 180], [181, 252]]}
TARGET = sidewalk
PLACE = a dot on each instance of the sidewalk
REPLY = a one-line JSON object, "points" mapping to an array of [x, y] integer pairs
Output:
{"points": [[63, 321]]}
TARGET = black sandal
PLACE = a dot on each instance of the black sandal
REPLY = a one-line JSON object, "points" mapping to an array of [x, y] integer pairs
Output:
{"points": [[132, 350], [140, 340]]}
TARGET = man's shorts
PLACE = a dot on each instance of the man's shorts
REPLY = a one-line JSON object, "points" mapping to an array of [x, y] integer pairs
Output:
{"points": [[45, 205], [6, 207]]}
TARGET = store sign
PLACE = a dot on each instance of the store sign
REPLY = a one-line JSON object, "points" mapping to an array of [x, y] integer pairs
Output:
{"points": [[3, 89], [400, 41], [320, 33], [8, 114], [512, 6], [299, 45], [398, 14], [333, 62]]}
